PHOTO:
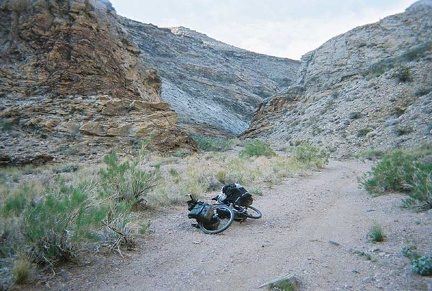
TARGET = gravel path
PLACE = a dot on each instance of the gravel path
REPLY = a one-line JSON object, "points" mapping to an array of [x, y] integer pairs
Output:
{"points": [[314, 228]]}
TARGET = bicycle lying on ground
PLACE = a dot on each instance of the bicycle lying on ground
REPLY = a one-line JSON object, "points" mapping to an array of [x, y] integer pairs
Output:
{"points": [[233, 203]]}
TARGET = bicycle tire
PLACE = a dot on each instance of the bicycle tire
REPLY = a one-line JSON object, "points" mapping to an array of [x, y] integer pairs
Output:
{"points": [[254, 214], [225, 220]]}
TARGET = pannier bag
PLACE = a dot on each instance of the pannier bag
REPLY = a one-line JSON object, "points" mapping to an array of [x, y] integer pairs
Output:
{"points": [[212, 224], [202, 212], [237, 194]]}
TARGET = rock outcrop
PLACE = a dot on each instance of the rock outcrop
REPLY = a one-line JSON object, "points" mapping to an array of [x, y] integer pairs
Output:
{"points": [[73, 83], [370, 88], [214, 87]]}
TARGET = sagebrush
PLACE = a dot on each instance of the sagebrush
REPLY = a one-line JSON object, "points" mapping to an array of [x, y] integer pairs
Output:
{"points": [[257, 148], [50, 222], [399, 171]]}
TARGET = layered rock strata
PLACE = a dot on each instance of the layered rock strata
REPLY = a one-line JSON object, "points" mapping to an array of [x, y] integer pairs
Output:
{"points": [[73, 83]]}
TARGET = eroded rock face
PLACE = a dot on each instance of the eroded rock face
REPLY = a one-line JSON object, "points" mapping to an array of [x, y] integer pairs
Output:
{"points": [[369, 88], [72, 83], [213, 86], [70, 47]]}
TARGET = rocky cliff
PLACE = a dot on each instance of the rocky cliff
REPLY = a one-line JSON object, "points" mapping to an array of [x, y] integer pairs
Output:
{"points": [[370, 88], [73, 83], [213, 87]]}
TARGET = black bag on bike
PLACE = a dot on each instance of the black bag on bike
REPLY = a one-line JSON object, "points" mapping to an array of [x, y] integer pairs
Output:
{"points": [[237, 194], [212, 224], [202, 212]]}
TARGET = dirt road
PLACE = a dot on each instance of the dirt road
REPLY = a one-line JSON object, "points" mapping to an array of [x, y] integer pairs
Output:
{"points": [[314, 228]]}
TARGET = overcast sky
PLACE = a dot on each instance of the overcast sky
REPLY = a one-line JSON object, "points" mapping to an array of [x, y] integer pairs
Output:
{"points": [[284, 28]]}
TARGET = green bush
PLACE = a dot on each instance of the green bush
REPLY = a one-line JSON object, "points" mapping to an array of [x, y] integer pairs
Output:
{"points": [[57, 225], [402, 172], [392, 173], [410, 253], [421, 265], [421, 194], [257, 148], [311, 155], [376, 233], [355, 115], [221, 176], [51, 222], [15, 203], [213, 144], [364, 131], [125, 181], [403, 74]]}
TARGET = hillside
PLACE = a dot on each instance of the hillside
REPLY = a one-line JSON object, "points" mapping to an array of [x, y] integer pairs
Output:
{"points": [[213, 86], [73, 85], [368, 88], [78, 80]]}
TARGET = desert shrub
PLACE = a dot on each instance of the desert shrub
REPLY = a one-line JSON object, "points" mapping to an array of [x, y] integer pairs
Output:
{"points": [[402, 130], [421, 265], [376, 233], [125, 181], [399, 111], [57, 225], [402, 172], [402, 74], [257, 148], [10, 235], [47, 220], [311, 155], [213, 144], [355, 115], [23, 270], [197, 179], [410, 253], [392, 173], [372, 154], [221, 176], [115, 232], [15, 202], [363, 132], [200, 174], [284, 285], [13, 205], [421, 194], [173, 172], [255, 191]]}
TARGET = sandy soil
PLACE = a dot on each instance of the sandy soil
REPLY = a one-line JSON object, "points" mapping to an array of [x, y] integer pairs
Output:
{"points": [[314, 227]]}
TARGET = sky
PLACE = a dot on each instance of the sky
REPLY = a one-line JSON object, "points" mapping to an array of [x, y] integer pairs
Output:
{"points": [[283, 28]]}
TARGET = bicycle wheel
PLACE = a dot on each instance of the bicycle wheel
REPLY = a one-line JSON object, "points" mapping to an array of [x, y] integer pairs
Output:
{"points": [[252, 212], [222, 218]]}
